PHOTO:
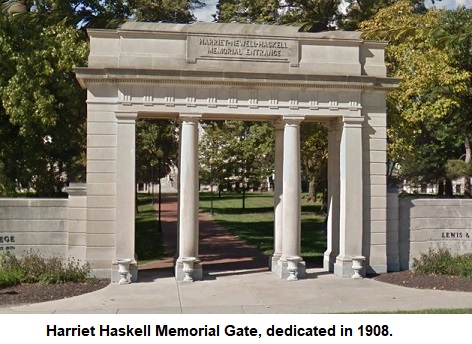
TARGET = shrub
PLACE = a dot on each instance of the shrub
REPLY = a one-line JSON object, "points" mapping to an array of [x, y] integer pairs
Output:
{"points": [[9, 278], [442, 262], [34, 268]]}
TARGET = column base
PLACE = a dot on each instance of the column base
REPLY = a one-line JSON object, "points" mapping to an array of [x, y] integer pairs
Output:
{"points": [[281, 269], [343, 268], [197, 274], [273, 261], [328, 262]]}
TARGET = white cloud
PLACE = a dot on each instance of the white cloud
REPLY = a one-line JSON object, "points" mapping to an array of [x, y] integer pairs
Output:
{"points": [[205, 14]]}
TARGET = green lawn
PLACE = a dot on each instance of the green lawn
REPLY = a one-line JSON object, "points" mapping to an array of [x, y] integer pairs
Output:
{"points": [[255, 224], [149, 243]]}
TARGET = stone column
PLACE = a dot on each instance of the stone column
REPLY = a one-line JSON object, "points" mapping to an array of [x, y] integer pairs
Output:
{"points": [[278, 189], [332, 225], [291, 238], [125, 192], [351, 191], [189, 198]]}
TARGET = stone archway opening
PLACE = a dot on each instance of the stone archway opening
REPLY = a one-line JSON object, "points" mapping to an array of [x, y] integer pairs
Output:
{"points": [[208, 71], [156, 171]]}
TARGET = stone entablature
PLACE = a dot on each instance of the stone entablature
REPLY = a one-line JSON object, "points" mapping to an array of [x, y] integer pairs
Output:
{"points": [[215, 93]]}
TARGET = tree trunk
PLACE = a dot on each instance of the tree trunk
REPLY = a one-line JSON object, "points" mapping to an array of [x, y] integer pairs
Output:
{"points": [[468, 157], [448, 188], [441, 188], [312, 190]]}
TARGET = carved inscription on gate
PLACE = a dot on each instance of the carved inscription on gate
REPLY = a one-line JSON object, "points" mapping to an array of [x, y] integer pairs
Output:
{"points": [[7, 243], [242, 48]]}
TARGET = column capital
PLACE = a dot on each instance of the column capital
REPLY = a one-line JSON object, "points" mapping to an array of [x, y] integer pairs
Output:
{"points": [[333, 124], [190, 117], [278, 124], [292, 120], [126, 117], [353, 122]]}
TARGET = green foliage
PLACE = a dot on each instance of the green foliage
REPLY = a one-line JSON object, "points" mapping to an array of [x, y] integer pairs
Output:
{"points": [[359, 11], [443, 262], [314, 158], [234, 147], [34, 268], [106, 13], [150, 137], [174, 11], [423, 113], [248, 11], [10, 277], [457, 169], [42, 107], [316, 15]]}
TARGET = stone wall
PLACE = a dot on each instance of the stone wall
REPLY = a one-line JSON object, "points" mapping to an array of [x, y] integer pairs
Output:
{"points": [[36, 224], [49, 226], [416, 225]]}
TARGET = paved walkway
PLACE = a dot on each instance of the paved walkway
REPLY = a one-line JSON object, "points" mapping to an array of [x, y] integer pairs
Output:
{"points": [[218, 250], [236, 281]]}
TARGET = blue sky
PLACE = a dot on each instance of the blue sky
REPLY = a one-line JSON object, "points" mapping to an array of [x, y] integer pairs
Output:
{"points": [[205, 13]]}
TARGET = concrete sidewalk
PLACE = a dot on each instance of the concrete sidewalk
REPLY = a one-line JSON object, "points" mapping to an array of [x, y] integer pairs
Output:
{"points": [[237, 281], [249, 292]]}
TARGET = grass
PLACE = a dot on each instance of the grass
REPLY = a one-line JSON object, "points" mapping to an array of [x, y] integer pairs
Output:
{"points": [[255, 224], [149, 242]]}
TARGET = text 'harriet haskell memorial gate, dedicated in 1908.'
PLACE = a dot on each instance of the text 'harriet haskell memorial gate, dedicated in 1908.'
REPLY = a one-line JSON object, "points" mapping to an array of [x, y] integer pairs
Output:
{"points": [[208, 71]]}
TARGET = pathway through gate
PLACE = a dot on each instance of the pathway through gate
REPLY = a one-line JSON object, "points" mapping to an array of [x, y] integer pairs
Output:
{"points": [[219, 251]]}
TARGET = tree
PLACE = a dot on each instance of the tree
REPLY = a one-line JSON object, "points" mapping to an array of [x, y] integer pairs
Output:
{"points": [[313, 15], [248, 11], [421, 135], [42, 105], [454, 34], [42, 108], [234, 149], [106, 13], [314, 157], [150, 137], [359, 11], [220, 153], [172, 11]]}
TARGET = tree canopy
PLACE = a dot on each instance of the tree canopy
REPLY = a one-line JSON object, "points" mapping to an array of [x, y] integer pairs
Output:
{"points": [[314, 15], [42, 107], [425, 112]]}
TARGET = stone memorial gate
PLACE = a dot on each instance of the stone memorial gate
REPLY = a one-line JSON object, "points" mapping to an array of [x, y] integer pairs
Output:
{"points": [[209, 71]]}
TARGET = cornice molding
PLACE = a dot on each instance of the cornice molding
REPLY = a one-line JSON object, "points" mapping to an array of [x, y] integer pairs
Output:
{"points": [[215, 78]]}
